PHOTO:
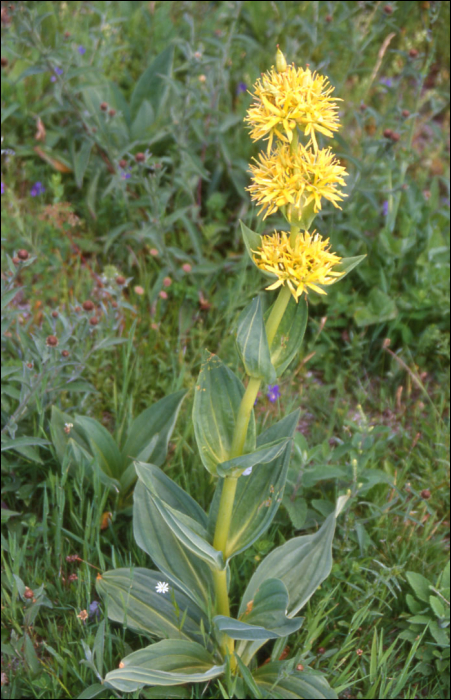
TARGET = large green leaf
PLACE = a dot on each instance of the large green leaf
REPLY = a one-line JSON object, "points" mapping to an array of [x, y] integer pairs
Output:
{"points": [[266, 616], [190, 531], [170, 662], [253, 343], [290, 334], [262, 455], [149, 435], [132, 600], [155, 537], [152, 85], [101, 445], [217, 400], [259, 494], [276, 681], [302, 564]]}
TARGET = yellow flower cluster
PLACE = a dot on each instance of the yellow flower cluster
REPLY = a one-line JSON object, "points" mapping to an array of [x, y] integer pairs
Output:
{"points": [[296, 178], [292, 98], [302, 266], [293, 175]]}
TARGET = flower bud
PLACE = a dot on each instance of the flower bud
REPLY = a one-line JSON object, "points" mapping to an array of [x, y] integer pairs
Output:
{"points": [[28, 593], [163, 294], [16, 261], [405, 113], [88, 305], [4, 61], [281, 63], [426, 494], [413, 53], [104, 106], [154, 252], [23, 254], [120, 280], [112, 112], [94, 321], [167, 282], [140, 157], [51, 341], [186, 268], [388, 9], [123, 164], [65, 353]]}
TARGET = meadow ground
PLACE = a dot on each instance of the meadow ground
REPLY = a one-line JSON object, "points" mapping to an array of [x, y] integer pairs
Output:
{"points": [[124, 167]]}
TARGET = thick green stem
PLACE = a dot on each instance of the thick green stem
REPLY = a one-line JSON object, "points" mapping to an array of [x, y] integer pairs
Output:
{"points": [[225, 509]]}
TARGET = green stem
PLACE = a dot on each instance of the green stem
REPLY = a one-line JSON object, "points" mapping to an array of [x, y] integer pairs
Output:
{"points": [[230, 483]]}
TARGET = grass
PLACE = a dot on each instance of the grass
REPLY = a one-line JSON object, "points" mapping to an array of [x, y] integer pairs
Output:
{"points": [[375, 416]]}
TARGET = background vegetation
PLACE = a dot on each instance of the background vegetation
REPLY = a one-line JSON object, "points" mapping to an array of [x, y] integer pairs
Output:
{"points": [[124, 168]]}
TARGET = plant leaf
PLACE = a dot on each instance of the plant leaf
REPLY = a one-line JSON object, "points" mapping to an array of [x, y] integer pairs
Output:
{"points": [[262, 455], [290, 334], [252, 241], [276, 681], [266, 618], [258, 495], [149, 434], [302, 564], [253, 343], [152, 86], [132, 600], [101, 445], [170, 662], [155, 537], [190, 531], [346, 266], [420, 585], [216, 404]]}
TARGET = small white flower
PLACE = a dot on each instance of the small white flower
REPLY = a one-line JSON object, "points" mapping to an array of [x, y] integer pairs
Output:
{"points": [[162, 587], [247, 471]]}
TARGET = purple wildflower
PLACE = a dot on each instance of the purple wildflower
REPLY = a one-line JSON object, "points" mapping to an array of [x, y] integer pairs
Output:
{"points": [[388, 82], [81, 50], [3, 188], [385, 208], [273, 392], [59, 71], [125, 175], [53, 79], [94, 609], [37, 189], [242, 87]]}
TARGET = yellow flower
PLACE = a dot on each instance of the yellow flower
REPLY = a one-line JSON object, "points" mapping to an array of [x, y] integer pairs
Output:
{"points": [[303, 266], [293, 97], [296, 179]]}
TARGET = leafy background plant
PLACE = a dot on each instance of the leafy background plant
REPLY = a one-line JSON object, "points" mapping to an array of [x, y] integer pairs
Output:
{"points": [[374, 417]]}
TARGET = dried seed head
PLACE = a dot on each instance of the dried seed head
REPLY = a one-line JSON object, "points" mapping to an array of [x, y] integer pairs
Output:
{"points": [[52, 341], [104, 106], [120, 280], [72, 577], [94, 321], [359, 652], [23, 254], [88, 305], [140, 157]]}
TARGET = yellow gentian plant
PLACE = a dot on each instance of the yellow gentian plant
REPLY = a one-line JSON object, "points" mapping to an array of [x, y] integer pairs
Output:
{"points": [[186, 602]]}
